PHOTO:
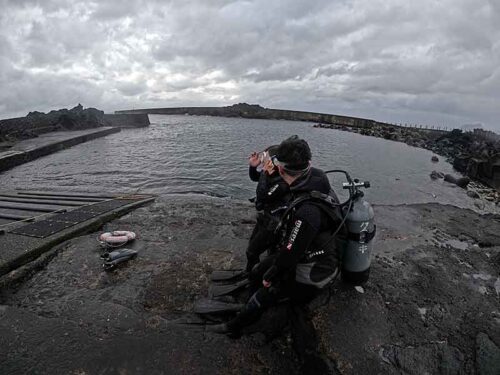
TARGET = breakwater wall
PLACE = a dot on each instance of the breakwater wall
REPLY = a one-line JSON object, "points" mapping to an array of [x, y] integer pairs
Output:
{"points": [[13, 158], [256, 111], [129, 120]]}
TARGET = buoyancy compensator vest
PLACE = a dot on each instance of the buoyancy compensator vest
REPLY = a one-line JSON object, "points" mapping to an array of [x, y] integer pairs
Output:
{"points": [[320, 263], [349, 241]]}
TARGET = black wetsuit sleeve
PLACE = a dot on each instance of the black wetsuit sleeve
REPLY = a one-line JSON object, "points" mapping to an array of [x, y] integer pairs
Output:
{"points": [[273, 192], [305, 227], [254, 173]]}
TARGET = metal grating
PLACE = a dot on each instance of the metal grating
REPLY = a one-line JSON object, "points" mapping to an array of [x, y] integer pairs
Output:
{"points": [[106, 206], [60, 221], [42, 229], [75, 216]]}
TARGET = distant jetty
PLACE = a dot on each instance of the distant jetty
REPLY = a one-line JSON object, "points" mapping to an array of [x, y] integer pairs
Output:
{"points": [[24, 139], [256, 111], [76, 118]]}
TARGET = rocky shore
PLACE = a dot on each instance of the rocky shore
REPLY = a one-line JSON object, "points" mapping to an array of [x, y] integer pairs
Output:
{"points": [[35, 123], [430, 306], [475, 154]]}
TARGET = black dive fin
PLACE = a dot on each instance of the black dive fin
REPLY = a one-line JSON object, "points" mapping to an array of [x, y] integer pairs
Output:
{"points": [[227, 275], [210, 306], [113, 259], [121, 253], [225, 289]]}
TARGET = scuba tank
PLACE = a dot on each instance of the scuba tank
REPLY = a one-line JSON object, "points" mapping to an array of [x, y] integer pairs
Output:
{"points": [[358, 246]]}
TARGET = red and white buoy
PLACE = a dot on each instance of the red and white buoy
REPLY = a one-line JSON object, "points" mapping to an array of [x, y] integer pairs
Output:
{"points": [[117, 237]]}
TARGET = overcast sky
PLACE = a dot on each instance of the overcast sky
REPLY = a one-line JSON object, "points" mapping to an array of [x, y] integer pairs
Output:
{"points": [[431, 62]]}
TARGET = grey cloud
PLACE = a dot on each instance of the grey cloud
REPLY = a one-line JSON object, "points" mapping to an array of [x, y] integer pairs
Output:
{"points": [[131, 88], [383, 58]]}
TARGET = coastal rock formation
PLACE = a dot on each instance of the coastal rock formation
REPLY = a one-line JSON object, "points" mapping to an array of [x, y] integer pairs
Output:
{"points": [[460, 182], [475, 154], [435, 175], [36, 123]]}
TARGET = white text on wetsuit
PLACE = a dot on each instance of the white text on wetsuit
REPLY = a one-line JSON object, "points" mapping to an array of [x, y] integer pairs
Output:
{"points": [[295, 231], [273, 189]]}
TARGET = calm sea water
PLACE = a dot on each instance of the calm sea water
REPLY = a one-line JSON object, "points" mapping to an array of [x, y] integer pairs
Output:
{"points": [[208, 155]]}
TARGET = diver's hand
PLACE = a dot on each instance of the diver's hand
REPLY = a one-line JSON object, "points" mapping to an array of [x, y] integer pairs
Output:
{"points": [[266, 284], [269, 167], [253, 160]]}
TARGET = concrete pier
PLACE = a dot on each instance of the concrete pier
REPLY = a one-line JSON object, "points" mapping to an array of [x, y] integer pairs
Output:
{"points": [[31, 149], [132, 120]]}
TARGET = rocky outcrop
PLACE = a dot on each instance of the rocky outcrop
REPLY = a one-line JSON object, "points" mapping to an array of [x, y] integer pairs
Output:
{"points": [[459, 181], [475, 154], [36, 123]]}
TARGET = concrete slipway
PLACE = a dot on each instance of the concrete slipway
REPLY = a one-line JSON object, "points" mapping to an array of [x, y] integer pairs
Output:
{"points": [[34, 222]]}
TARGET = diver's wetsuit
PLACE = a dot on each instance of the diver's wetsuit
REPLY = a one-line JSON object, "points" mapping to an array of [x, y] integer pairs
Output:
{"points": [[307, 229], [271, 193]]}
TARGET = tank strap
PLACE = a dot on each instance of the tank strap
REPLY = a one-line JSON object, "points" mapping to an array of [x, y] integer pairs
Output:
{"points": [[325, 202], [367, 237]]}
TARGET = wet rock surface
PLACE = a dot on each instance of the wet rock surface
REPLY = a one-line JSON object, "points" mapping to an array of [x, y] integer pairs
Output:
{"points": [[475, 154], [431, 305]]}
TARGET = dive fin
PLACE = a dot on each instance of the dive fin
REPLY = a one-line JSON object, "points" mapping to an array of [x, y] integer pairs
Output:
{"points": [[114, 258], [121, 253], [222, 290], [210, 306], [227, 275]]}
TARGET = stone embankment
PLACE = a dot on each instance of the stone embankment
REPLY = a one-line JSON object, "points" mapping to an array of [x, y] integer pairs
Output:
{"points": [[77, 118], [38, 134], [475, 154], [27, 150], [35, 123]]}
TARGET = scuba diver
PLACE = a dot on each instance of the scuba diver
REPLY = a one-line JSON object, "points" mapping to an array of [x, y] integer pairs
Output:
{"points": [[272, 195], [307, 259]]}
